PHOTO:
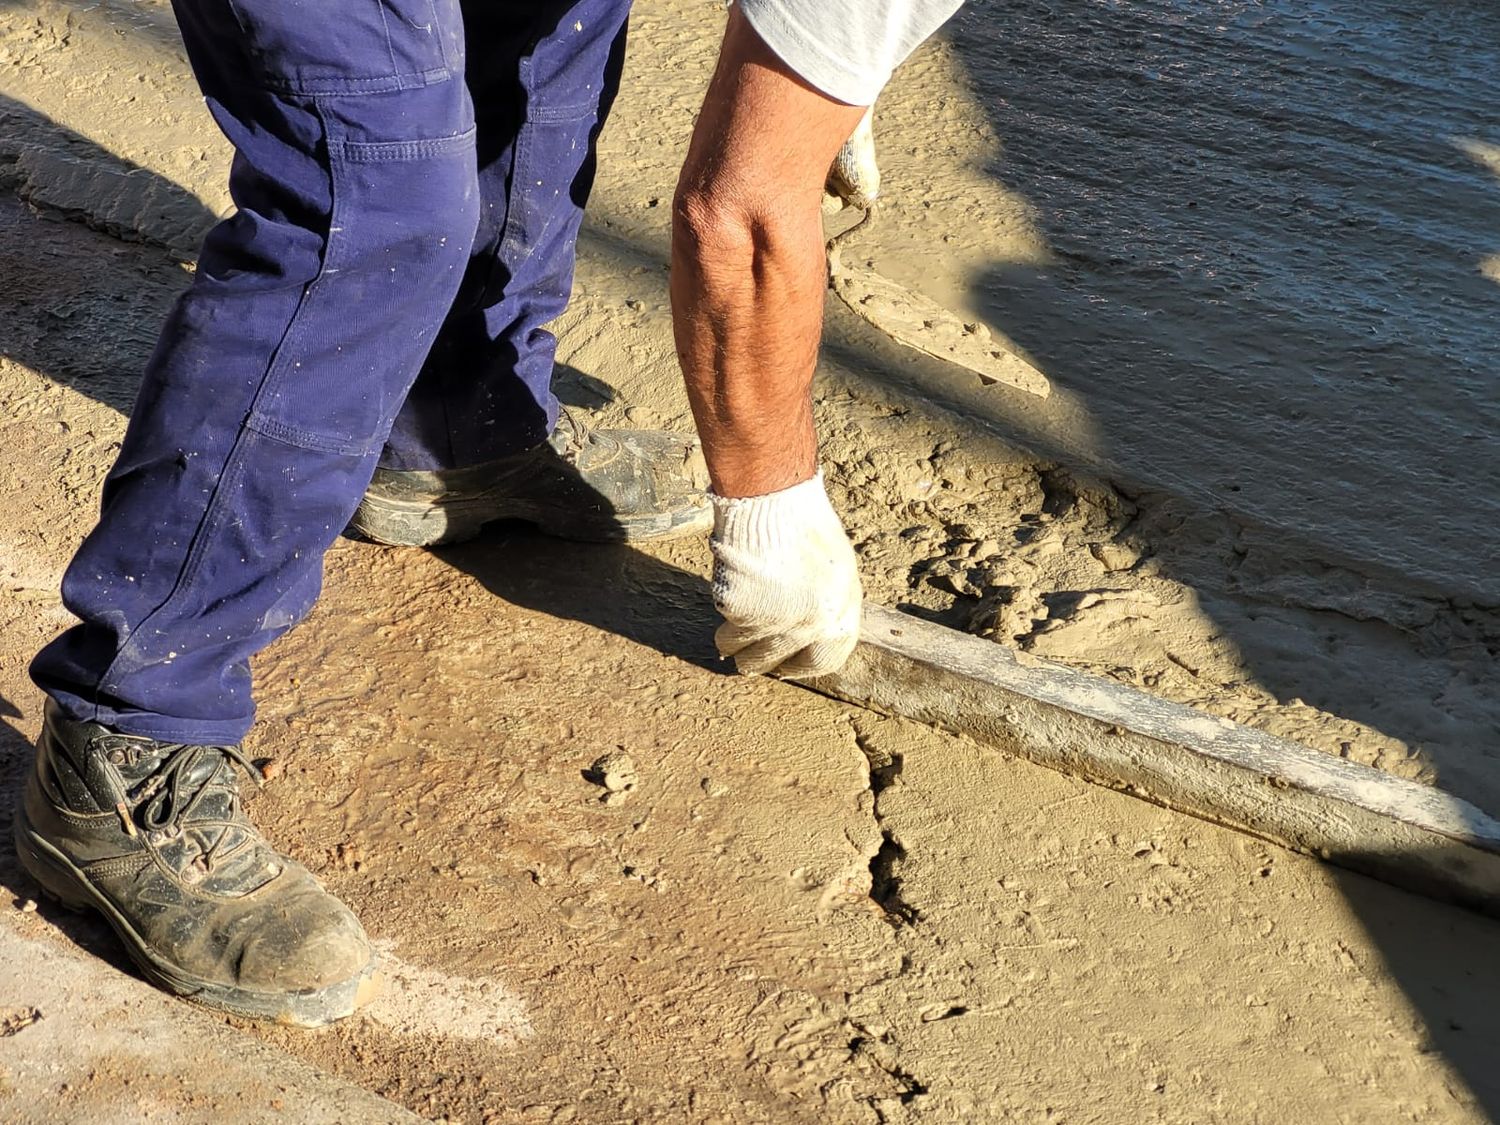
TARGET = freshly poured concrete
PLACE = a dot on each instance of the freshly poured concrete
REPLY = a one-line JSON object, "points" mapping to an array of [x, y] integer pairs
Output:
{"points": [[802, 911]]}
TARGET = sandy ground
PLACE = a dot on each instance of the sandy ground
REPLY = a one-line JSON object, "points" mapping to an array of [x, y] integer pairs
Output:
{"points": [[801, 912]]}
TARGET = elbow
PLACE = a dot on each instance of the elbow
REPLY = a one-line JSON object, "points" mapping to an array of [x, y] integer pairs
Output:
{"points": [[711, 227], [731, 239]]}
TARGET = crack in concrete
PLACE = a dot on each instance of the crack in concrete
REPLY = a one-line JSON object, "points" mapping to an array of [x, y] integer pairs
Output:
{"points": [[878, 1047], [882, 1053], [885, 865], [885, 881]]}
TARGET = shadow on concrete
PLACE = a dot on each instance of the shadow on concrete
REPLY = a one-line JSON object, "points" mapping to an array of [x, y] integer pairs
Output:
{"points": [[66, 175], [1443, 957], [611, 587], [81, 308]]}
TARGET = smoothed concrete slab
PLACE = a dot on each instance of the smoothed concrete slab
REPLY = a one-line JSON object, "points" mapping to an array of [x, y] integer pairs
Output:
{"points": [[82, 1043], [1400, 831]]}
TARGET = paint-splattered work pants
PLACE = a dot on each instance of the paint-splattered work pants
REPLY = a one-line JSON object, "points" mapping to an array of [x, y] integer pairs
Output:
{"points": [[409, 178]]}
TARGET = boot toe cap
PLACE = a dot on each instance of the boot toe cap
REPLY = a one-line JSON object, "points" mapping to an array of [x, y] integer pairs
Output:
{"points": [[309, 941]]}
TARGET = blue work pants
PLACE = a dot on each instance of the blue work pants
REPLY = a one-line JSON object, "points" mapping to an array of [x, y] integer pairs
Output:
{"points": [[409, 178]]}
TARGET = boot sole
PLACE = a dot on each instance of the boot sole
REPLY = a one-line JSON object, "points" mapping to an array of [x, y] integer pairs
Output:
{"points": [[59, 879], [422, 523]]}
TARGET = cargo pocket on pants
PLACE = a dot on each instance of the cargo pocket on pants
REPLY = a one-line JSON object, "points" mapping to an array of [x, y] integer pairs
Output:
{"points": [[344, 47]]}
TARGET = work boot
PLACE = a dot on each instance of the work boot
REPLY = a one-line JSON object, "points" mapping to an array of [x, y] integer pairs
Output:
{"points": [[599, 486], [152, 836]]}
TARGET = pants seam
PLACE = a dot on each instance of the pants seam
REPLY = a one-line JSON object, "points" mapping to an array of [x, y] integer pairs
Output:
{"points": [[562, 114], [371, 152], [306, 439], [437, 24], [390, 48], [319, 88], [510, 242], [233, 467]]}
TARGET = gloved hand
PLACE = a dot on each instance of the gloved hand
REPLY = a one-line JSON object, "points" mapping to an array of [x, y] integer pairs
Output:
{"points": [[786, 582], [854, 177]]}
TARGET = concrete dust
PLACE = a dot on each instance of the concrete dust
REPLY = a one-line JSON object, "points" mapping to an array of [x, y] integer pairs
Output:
{"points": [[418, 1001], [801, 912]]}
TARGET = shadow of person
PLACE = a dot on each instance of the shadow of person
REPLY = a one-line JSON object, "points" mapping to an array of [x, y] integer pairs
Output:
{"points": [[82, 308], [1443, 958], [578, 388], [62, 172], [610, 586]]}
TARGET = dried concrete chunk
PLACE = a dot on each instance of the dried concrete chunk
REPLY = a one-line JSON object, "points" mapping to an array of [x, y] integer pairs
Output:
{"points": [[615, 771]]}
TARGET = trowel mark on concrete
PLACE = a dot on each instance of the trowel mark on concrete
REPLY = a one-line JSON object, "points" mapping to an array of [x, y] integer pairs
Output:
{"points": [[419, 1001]]}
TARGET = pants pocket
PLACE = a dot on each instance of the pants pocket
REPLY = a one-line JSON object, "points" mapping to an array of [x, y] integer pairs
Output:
{"points": [[401, 228], [343, 47]]}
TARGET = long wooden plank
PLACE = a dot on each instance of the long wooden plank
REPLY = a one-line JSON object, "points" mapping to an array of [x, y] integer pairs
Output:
{"points": [[1400, 831]]}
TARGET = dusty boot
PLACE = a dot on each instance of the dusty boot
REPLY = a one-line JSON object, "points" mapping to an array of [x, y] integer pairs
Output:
{"points": [[151, 835], [595, 485]]}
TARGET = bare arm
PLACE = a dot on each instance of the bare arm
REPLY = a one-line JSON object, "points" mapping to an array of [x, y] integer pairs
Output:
{"points": [[748, 268]]}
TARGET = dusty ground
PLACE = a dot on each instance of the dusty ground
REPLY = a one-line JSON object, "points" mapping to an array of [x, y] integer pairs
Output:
{"points": [[801, 912]]}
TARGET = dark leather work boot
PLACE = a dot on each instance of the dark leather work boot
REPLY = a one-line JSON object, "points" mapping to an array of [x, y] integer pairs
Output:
{"points": [[599, 486], [152, 836]]}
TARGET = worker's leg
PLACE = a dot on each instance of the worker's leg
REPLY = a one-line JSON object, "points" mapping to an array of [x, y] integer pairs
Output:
{"points": [[543, 77], [278, 373], [258, 425], [481, 437]]}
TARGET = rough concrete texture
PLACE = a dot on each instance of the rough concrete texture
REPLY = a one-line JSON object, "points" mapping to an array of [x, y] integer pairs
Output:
{"points": [[799, 911]]}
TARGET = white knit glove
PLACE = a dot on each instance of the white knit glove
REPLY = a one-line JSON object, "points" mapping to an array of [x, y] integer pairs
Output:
{"points": [[854, 178], [785, 581]]}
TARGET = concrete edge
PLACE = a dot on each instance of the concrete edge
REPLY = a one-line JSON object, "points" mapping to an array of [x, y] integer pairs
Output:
{"points": [[83, 1043], [1396, 830]]}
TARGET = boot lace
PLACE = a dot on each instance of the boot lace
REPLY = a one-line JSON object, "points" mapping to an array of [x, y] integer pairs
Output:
{"points": [[573, 431], [166, 800], [170, 796]]}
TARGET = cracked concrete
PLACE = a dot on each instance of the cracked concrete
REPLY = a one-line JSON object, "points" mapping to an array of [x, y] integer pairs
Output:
{"points": [[885, 864], [801, 912]]}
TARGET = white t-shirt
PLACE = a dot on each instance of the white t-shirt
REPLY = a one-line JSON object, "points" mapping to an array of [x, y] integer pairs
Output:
{"points": [[846, 48]]}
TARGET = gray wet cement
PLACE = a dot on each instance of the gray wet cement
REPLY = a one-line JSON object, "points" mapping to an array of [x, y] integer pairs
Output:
{"points": [[1269, 226]]}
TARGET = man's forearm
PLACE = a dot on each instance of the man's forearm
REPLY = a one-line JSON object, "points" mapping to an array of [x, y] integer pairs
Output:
{"points": [[749, 317], [748, 269]]}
